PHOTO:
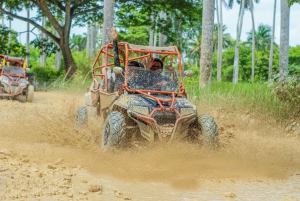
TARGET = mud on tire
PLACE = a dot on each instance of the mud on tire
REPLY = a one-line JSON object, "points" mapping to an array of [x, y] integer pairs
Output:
{"points": [[81, 116], [209, 130], [114, 130]]}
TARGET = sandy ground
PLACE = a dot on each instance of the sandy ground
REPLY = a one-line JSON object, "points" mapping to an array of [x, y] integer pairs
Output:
{"points": [[44, 156]]}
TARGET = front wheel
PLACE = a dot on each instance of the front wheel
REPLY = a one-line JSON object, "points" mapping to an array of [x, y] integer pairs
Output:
{"points": [[30, 93], [209, 130], [113, 130]]}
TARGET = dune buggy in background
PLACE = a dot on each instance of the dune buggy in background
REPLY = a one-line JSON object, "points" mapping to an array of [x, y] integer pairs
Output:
{"points": [[138, 106], [14, 83]]}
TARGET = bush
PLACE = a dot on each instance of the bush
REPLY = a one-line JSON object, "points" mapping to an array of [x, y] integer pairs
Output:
{"points": [[287, 89]]}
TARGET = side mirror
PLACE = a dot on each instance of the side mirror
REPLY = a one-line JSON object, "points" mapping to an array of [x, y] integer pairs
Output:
{"points": [[188, 73], [27, 69], [118, 70]]}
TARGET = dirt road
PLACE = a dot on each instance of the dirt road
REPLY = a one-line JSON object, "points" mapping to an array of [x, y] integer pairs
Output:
{"points": [[44, 156]]}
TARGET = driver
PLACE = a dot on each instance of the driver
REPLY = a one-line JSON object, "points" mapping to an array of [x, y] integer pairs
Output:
{"points": [[158, 80]]}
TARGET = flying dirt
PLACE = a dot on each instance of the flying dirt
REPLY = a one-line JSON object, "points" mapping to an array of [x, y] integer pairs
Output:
{"points": [[44, 155]]}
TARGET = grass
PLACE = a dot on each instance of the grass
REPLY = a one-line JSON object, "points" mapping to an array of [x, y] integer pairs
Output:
{"points": [[256, 98]]}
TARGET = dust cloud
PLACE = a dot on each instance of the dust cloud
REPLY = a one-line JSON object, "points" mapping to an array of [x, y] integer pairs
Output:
{"points": [[251, 150]]}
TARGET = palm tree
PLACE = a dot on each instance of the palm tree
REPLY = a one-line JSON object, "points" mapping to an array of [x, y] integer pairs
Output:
{"points": [[244, 4], [284, 37], [253, 40], [78, 42], [162, 38], [44, 38], [220, 39], [226, 38], [238, 35], [262, 37], [272, 42], [207, 39], [93, 40], [9, 35], [28, 35], [194, 45]]}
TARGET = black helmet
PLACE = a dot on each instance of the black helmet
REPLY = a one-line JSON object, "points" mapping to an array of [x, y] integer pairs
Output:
{"points": [[158, 60], [135, 64]]}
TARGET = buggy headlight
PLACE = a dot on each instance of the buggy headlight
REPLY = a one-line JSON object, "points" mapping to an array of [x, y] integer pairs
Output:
{"points": [[23, 82], [186, 111], [141, 110], [5, 80]]}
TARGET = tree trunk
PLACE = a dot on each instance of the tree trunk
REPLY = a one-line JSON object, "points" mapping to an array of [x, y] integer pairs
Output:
{"points": [[88, 41], [43, 53], [93, 40], [151, 33], [57, 57], [67, 56], [220, 40], [108, 20], [238, 36], [9, 36], [253, 41], [207, 42], [272, 43], [284, 37], [162, 37], [2, 18], [27, 38]]}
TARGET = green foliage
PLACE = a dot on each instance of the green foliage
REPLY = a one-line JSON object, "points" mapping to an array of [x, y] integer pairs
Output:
{"points": [[16, 48], [78, 42], [291, 2], [262, 37], [287, 89], [45, 45], [83, 63], [135, 35], [45, 74]]}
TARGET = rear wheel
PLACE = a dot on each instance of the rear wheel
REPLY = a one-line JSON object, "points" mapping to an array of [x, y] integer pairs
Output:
{"points": [[114, 130], [30, 93], [209, 130], [82, 116]]}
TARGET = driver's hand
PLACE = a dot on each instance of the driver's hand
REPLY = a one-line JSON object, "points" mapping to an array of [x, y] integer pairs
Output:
{"points": [[150, 62], [114, 33]]}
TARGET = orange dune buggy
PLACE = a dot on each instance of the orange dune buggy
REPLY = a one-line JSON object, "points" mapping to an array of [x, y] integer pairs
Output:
{"points": [[13, 80], [134, 105]]}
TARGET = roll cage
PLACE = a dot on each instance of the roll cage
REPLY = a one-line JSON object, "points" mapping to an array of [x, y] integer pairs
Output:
{"points": [[104, 62]]}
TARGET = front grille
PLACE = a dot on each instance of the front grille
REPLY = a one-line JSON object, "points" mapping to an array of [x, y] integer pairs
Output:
{"points": [[165, 118]]}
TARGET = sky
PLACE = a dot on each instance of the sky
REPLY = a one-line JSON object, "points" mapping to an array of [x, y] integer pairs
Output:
{"points": [[263, 14]]}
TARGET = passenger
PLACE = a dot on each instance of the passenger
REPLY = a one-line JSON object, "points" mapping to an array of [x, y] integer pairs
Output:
{"points": [[135, 75]]}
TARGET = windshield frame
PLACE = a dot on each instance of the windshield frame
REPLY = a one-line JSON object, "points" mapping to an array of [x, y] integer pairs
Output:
{"points": [[13, 71], [139, 78]]}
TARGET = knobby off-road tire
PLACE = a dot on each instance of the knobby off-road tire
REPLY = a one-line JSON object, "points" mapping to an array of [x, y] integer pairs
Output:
{"points": [[82, 116], [209, 130], [30, 93], [114, 130]]}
